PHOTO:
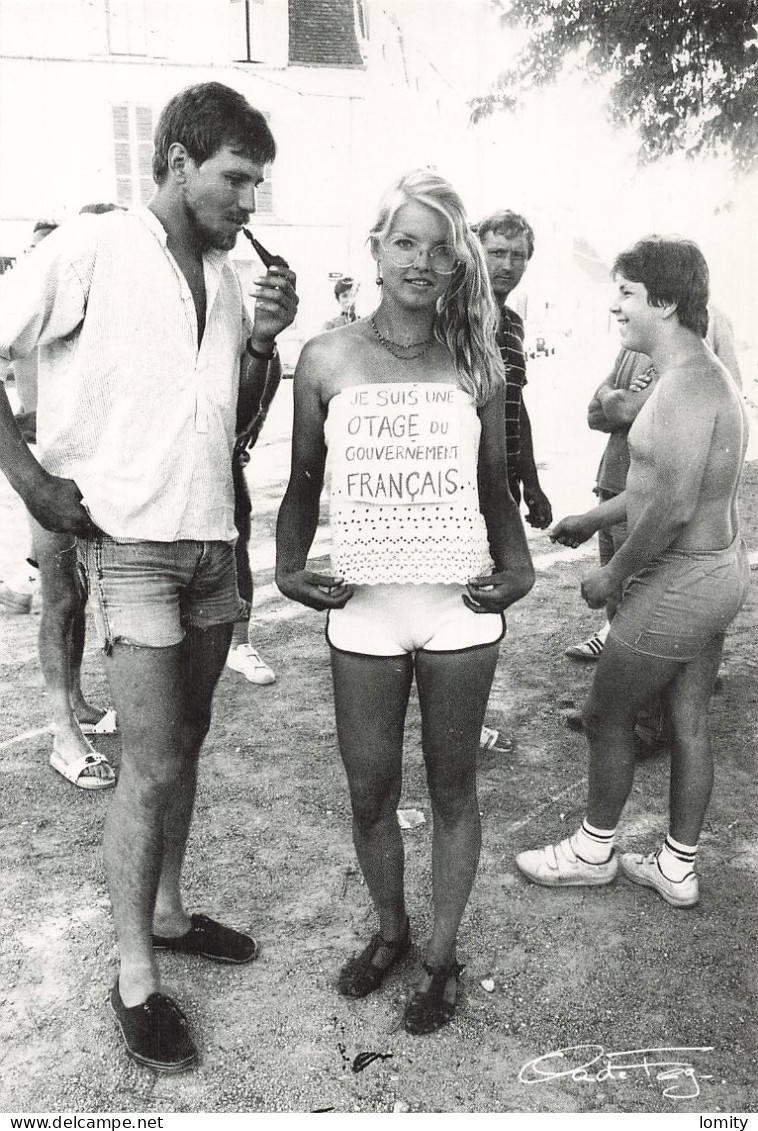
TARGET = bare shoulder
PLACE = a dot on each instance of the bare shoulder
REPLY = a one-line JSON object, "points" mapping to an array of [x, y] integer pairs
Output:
{"points": [[329, 356], [702, 381], [334, 343]]}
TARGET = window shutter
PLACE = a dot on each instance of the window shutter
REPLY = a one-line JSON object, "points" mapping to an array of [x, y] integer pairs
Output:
{"points": [[264, 194], [264, 199], [133, 153]]}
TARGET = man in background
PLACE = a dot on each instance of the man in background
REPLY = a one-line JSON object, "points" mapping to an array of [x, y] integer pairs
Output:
{"points": [[345, 291], [18, 588], [508, 243]]}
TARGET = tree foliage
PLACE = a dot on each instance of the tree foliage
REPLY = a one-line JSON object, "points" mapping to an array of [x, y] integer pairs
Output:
{"points": [[684, 72]]}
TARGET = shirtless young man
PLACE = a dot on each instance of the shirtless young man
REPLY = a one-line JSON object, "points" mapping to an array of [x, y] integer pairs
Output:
{"points": [[684, 567]]}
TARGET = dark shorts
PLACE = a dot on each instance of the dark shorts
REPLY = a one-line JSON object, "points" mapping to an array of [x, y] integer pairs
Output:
{"points": [[149, 593], [678, 604]]}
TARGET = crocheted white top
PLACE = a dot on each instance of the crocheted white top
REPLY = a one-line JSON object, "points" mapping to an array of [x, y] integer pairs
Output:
{"points": [[402, 476]]}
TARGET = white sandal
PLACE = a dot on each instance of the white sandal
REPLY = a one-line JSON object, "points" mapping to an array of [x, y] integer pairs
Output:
{"points": [[73, 771], [106, 725]]}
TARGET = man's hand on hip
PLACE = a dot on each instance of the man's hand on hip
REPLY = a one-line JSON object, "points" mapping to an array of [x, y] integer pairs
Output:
{"points": [[58, 506]]}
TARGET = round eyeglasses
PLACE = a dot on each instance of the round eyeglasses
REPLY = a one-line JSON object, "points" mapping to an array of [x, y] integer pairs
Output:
{"points": [[404, 251]]}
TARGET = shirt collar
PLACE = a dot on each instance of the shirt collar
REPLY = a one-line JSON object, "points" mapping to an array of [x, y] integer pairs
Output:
{"points": [[151, 221], [214, 258]]}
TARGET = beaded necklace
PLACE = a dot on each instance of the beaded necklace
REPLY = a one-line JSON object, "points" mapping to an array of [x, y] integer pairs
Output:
{"points": [[391, 346]]}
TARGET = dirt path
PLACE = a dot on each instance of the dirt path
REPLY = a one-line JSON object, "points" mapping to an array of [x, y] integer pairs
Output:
{"points": [[614, 969]]}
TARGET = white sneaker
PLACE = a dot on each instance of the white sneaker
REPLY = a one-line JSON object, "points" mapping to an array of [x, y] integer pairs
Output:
{"points": [[646, 871], [245, 659], [589, 649], [558, 866]]}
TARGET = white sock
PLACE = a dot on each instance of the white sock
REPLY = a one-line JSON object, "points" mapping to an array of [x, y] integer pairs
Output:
{"points": [[603, 633], [593, 845], [676, 860]]}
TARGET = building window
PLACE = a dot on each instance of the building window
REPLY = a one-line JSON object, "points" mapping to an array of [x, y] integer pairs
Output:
{"points": [[133, 151], [127, 26]]}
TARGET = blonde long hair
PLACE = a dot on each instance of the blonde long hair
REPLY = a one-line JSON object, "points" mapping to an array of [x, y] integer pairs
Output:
{"points": [[467, 314]]}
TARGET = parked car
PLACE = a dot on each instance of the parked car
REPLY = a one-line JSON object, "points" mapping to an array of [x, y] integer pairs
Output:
{"points": [[540, 346]]}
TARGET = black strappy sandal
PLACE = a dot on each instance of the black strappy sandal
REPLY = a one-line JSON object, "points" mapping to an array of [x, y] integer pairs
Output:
{"points": [[360, 975], [428, 1010]]}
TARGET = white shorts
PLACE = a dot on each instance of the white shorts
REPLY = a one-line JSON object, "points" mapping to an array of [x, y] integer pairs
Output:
{"points": [[393, 620]]}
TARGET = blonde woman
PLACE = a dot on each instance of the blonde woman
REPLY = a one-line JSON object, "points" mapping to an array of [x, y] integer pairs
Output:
{"points": [[403, 412]]}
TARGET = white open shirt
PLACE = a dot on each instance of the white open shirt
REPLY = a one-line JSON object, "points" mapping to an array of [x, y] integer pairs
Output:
{"points": [[129, 406]]}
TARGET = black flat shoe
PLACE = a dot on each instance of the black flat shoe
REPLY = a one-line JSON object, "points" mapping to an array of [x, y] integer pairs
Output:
{"points": [[208, 939], [428, 1010], [360, 975], [155, 1032]]}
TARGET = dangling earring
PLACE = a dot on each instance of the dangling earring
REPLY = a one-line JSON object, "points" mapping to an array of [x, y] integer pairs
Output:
{"points": [[379, 279]]}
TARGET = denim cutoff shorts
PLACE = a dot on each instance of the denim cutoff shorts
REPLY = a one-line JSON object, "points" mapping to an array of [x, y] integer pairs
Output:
{"points": [[149, 593], [675, 606]]}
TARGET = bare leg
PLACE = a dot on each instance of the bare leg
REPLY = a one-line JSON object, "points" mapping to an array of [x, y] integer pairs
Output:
{"points": [[691, 759], [453, 690], [241, 632], [146, 685], [242, 521], [624, 681], [162, 696], [244, 656], [84, 711], [203, 655], [62, 603], [371, 699]]}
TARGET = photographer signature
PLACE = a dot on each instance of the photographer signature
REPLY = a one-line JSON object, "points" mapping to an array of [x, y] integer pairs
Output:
{"points": [[591, 1064]]}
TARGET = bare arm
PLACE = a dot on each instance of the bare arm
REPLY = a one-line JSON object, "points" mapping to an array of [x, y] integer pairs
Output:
{"points": [[621, 407], [721, 337], [595, 415], [259, 382], [54, 502], [514, 572], [577, 528], [298, 515], [41, 300], [612, 407], [540, 512], [276, 305], [682, 427]]}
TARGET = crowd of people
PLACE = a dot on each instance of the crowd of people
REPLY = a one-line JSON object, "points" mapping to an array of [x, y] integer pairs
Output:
{"points": [[153, 381]]}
